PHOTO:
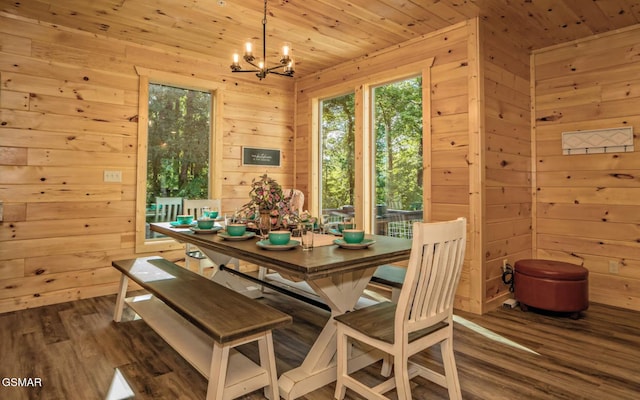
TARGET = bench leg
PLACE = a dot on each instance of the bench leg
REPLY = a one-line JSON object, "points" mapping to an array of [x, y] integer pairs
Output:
{"points": [[122, 293], [218, 374], [268, 362]]}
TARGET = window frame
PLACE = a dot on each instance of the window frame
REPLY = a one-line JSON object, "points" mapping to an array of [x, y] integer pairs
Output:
{"points": [[362, 87], [147, 76]]}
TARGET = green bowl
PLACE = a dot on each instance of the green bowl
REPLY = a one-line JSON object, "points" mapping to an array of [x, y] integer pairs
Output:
{"points": [[213, 214], [353, 235], [205, 223], [184, 219], [279, 238], [236, 229]]}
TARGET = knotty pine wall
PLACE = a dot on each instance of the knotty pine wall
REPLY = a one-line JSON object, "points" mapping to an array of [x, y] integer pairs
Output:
{"points": [[507, 228], [587, 208], [68, 111]]}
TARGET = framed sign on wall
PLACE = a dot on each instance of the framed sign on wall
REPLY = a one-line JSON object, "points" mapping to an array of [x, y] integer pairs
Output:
{"points": [[260, 156]]}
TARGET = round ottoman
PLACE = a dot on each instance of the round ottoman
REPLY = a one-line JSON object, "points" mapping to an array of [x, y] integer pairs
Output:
{"points": [[551, 285]]}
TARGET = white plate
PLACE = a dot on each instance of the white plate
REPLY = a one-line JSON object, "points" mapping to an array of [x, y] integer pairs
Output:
{"points": [[362, 245], [212, 230], [265, 244], [226, 236]]}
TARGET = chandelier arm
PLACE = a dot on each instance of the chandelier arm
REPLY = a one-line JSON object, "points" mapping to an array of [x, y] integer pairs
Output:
{"points": [[270, 69], [253, 64], [282, 73]]}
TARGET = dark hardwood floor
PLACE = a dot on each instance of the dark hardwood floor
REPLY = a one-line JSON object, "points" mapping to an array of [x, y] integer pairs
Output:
{"points": [[75, 349]]}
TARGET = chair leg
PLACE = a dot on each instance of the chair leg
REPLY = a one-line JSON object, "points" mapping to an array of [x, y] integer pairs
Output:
{"points": [[450, 370], [387, 365], [401, 371], [341, 363], [187, 260], [262, 272]]}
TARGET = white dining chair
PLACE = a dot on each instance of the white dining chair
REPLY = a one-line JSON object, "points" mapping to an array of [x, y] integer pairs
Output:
{"points": [[296, 199], [195, 207], [422, 317], [192, 253], [167, 208]]}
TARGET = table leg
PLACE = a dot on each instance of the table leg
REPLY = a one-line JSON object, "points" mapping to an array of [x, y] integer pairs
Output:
{"points": [[122, 294], [340, 292], [229, 280]]}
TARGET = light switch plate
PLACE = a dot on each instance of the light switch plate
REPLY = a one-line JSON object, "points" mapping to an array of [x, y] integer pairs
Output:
{"points": [[112, 176]]}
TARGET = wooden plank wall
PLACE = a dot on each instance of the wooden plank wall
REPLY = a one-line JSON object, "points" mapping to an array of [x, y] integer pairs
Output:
{"points": [[507, 158], [449, 122], [588, 206], [68, 105]]}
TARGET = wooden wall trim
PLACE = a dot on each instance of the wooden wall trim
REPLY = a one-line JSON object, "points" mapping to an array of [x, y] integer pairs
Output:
{"points": [[427, 143], [476, 169], [534, 160]]}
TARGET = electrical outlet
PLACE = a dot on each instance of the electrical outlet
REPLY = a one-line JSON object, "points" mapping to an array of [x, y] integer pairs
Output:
{"points": [[613, 267], [504, 265], [112, 176]]}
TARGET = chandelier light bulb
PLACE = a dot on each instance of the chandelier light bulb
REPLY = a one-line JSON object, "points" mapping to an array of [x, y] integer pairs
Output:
{"points": [[288, 69]]}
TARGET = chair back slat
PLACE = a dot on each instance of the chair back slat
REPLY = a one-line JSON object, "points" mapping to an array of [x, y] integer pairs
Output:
{"points": [[194, 207], [435, 265], [296, 203], [167, 208]]}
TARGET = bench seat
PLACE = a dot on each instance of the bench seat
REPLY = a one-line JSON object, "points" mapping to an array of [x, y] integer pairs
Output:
{"points": [[392, 277], [204, 321]]}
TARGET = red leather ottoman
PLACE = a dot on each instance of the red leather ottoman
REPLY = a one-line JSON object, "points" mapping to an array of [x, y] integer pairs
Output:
{"points": [[551, 285]]}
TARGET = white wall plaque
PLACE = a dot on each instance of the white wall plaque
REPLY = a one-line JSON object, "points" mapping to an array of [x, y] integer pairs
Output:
{"points": [[613, 140]]}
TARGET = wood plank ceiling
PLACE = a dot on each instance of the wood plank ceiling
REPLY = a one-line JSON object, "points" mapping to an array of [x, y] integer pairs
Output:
{"points": [[322, 32]]}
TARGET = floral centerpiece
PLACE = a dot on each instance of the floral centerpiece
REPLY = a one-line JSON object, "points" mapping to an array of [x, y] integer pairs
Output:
{"points": [[267, 196]]}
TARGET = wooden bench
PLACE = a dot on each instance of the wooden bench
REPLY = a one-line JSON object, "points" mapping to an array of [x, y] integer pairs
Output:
{"points": [[204, 321], [392, 277]]}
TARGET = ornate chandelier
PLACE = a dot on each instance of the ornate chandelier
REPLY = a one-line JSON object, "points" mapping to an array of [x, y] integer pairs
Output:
{"points": [[260, 67]]}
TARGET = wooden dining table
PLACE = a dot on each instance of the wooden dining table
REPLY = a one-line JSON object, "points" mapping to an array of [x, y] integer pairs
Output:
{"points": [[337, 275]]}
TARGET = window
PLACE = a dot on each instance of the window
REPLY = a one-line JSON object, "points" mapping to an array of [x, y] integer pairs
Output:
{"points": [[179, 150], [370, 148], [337, 167], [397, 157]]}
